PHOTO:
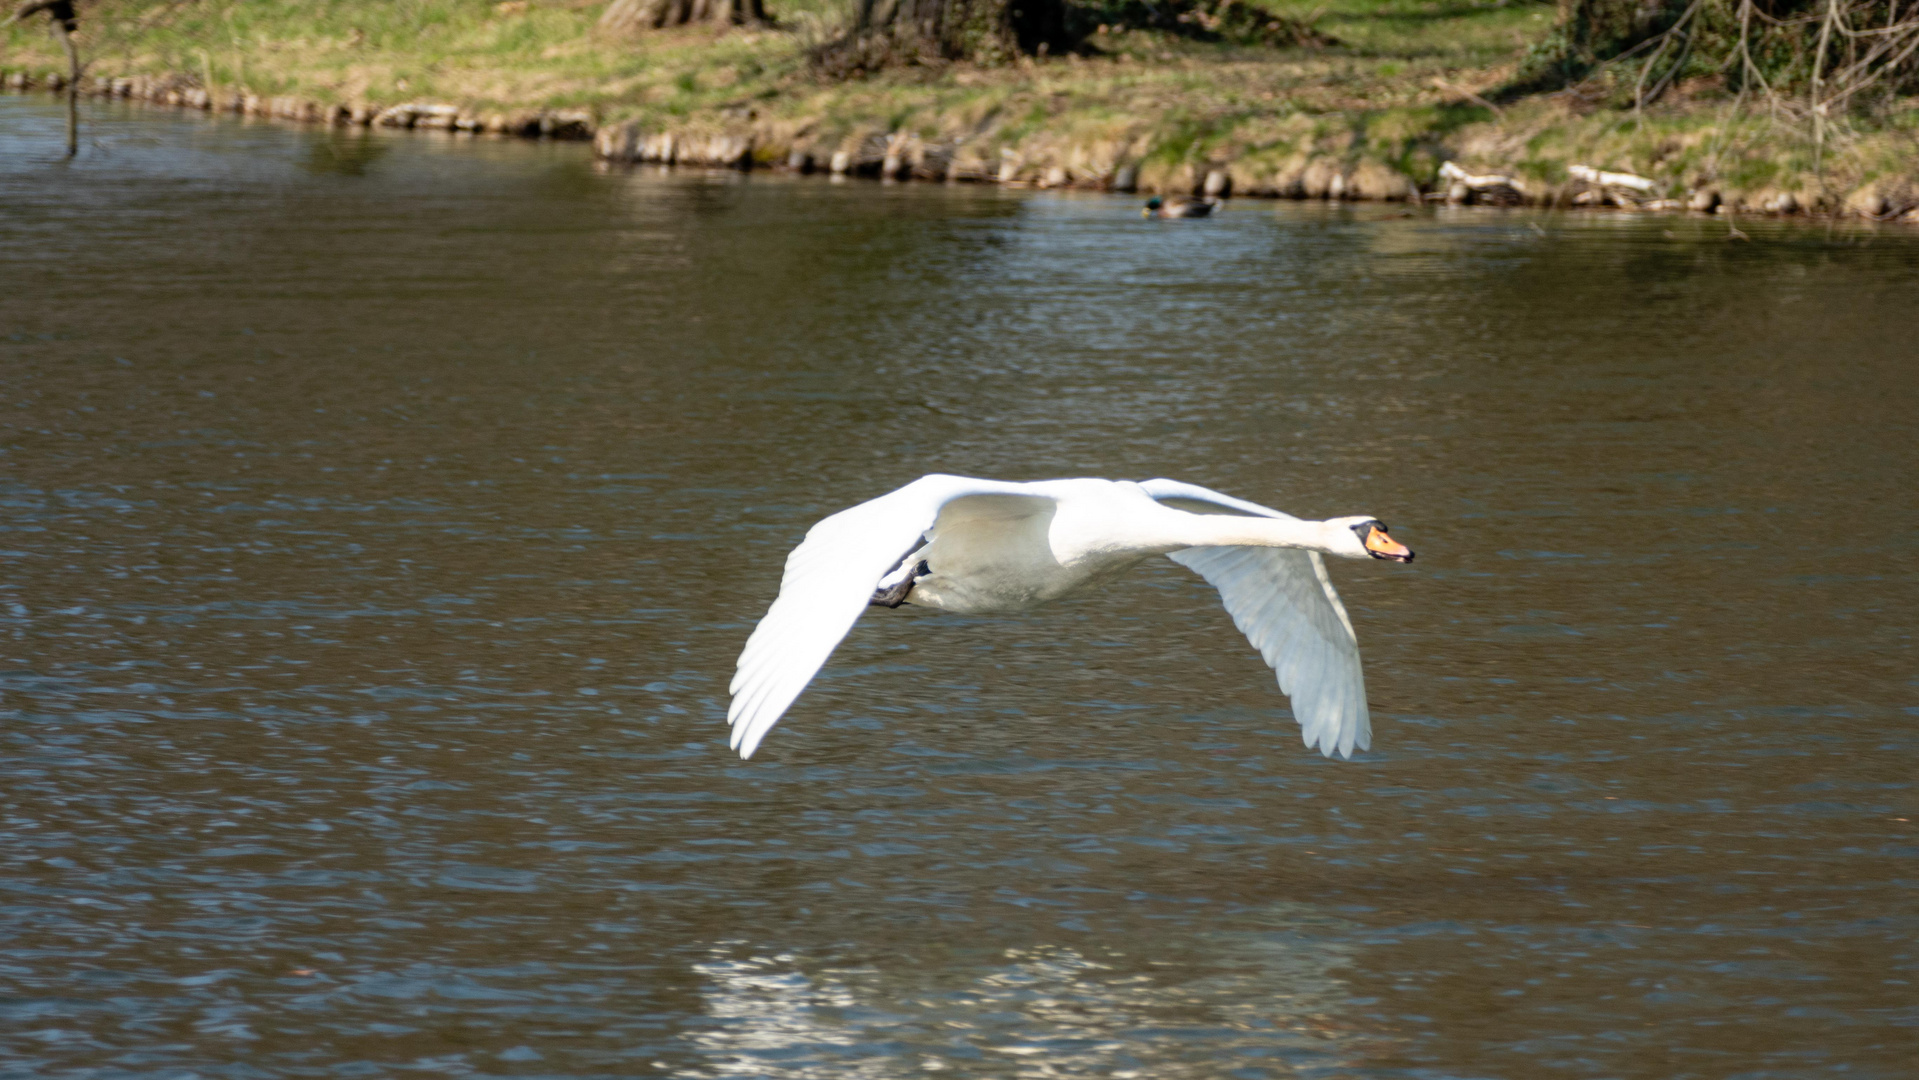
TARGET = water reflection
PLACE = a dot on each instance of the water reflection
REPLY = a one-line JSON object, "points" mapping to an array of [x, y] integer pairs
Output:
{"points": [[344, 153], [1261, 1002]]}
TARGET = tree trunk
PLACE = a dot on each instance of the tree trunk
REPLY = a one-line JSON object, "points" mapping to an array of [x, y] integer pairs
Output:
{"points": [[626, 15], [73, 85], [924, 31], [61, 14]]}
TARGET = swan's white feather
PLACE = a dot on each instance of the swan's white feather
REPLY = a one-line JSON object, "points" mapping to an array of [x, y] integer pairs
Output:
{"points": [[828, 581], [1285, 604]]}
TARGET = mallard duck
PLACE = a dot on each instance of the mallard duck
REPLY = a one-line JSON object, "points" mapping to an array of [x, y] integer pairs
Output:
{"points": [[984, 546], [1177, 207]]}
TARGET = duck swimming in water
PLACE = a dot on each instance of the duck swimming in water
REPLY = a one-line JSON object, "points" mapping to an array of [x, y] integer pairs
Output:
{"points": [[988, 546], [1177, 207]]}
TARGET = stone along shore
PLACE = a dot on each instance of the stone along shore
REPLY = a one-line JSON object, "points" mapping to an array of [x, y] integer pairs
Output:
{"points": [[1104, 166]]}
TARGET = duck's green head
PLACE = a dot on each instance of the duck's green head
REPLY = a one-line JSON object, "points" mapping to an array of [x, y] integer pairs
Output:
{"points": [[1152, 206]]}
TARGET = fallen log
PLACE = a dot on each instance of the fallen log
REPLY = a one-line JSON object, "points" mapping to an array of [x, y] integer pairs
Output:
{"points": [[1605, 188], [1492, 189]]}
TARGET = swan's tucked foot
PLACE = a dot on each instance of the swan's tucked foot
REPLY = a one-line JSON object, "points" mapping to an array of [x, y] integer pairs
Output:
{"points": [[899, 581], [894, 595]]}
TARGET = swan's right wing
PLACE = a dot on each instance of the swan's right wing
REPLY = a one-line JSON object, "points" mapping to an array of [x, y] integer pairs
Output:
{"points": [[829, 579], [1284, 602]]}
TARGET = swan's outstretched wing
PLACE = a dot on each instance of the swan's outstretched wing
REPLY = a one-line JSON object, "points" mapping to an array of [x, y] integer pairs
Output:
{"points": [[1284, 603], [829, 579]]}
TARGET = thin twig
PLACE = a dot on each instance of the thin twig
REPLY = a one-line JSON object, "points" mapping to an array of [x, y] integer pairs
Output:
{"points": [[1454, 88], [1818, 80]]}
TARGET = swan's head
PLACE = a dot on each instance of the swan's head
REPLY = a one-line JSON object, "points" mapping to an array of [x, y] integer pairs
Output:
{"points": [[1364, 537]]}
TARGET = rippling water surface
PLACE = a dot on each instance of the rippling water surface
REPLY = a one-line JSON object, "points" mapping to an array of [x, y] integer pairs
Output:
{"points": [[382, 517]]}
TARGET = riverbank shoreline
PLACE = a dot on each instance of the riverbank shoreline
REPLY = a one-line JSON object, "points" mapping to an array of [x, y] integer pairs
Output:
{"points": [[903, 158], [1398, 112]]}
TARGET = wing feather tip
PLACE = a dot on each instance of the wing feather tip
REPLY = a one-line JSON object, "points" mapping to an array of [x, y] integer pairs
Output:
{"points": [[751, 744]]}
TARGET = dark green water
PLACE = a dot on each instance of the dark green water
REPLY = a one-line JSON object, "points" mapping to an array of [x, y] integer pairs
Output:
{"points": [[382, 518]]}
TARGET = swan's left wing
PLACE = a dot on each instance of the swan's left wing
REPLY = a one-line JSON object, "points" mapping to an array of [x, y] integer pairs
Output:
{"points": [[1283, 601], [829, 579]]}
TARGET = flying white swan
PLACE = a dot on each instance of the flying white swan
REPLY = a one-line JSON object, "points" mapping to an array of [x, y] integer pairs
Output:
{"points": [[978, 546]]}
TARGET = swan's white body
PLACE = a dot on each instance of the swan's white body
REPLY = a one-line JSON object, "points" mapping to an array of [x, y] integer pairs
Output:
{"points": [[998, 546]]}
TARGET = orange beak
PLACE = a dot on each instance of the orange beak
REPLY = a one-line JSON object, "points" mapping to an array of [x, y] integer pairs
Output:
{"points": [[1385, 547]]}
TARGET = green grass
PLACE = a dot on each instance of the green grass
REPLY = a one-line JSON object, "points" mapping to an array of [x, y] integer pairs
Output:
{"points": [[1459, 30], [546, 52], [1400, 89]]}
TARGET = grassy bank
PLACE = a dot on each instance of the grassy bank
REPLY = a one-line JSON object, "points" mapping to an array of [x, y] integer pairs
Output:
{"points": [[1408, 87]]}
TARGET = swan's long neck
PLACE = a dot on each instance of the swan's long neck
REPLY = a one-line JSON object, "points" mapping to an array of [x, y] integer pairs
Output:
{"points": [[1231, 530]]}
